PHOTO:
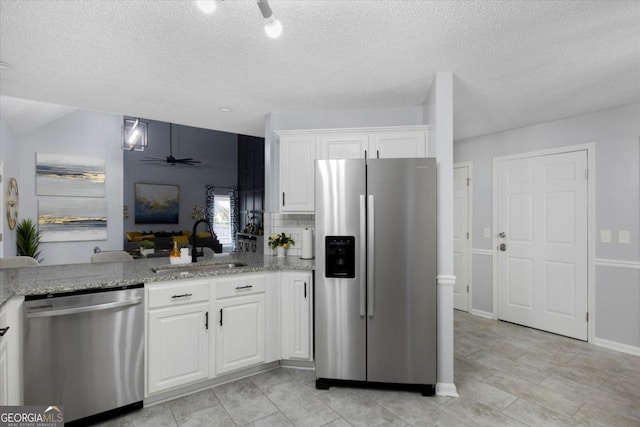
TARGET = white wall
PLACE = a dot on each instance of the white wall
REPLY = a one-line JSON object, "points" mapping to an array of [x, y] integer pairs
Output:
{"points": [[616, 136], [80, 133], [8, 157]]}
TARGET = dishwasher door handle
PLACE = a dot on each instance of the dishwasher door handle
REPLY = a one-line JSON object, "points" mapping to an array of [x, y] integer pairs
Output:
{"points": [[85, 309]]}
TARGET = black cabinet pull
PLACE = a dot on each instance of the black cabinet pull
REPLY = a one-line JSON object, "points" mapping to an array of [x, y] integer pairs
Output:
{"points": [[220, 317], [181, 296], [244, 288], [305, 290], [283, 198], [206, 320], [3, 331]]}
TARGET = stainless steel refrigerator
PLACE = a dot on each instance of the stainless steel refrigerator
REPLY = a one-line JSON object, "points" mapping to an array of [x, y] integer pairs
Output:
{"points": [[375, 312]]}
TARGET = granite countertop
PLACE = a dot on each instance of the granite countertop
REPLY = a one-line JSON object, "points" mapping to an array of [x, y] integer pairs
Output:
{"points": [[72, 277]]}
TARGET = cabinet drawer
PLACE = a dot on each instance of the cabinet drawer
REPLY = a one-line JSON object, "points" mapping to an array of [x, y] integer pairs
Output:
{"points": [[176, 293], [241, 285]]}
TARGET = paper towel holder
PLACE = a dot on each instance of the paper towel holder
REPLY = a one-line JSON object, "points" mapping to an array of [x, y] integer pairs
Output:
{"points": [[307, 244]]}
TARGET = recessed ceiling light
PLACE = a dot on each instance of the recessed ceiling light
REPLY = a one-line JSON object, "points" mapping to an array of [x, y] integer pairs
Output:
{"points": [[225, 109], [4, 65]]}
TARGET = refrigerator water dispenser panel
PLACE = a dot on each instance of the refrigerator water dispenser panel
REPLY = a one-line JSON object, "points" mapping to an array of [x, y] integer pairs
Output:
{"points": [[340, 256]]}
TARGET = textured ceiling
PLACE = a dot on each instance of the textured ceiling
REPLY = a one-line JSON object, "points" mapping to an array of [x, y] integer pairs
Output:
{"points": [[515, 63]]}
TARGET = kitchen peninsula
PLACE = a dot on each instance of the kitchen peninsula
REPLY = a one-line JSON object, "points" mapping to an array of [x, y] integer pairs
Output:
{"points": [[214, 321]]}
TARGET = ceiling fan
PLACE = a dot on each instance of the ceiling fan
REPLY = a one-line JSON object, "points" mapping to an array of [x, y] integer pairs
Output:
{"points": [[170, 159]]}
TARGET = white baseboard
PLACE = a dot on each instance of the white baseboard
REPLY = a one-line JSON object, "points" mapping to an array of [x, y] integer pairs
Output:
{"points": [[612, 345], [446, 389], [481, 313]]}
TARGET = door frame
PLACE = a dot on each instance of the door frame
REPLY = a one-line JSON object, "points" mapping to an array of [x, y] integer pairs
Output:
{"points": [[590, 148], [469, 166]]}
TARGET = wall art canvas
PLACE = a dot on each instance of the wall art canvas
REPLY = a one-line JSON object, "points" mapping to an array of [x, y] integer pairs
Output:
{"points": [[63, 175], [157, 203], [72, 219]]}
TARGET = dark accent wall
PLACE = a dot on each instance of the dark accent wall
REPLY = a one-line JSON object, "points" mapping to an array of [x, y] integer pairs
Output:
{"points": [[216, 150], [251, 180]]}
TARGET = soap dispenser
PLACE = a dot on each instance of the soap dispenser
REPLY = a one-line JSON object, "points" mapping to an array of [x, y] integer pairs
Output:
{"points": [[175, 252]]}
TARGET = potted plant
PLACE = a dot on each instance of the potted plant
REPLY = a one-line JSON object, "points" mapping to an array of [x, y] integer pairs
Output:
{"points": [[147, 247], [280, 242], [28, 239]]}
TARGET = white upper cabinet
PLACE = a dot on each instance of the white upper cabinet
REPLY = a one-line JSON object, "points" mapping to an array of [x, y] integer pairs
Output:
{"points": [[398, 144], [297, 169], [299, 150], [343, 145]]}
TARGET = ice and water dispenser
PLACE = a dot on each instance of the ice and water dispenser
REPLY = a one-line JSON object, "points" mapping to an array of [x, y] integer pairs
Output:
{"points": [[340, 257]]}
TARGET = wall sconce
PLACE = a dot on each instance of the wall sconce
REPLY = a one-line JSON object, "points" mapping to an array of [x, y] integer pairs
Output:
{"points": [[134, 135]]}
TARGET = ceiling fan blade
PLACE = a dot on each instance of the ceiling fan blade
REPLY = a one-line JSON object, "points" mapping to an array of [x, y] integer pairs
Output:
{"points": [[152, 159]]}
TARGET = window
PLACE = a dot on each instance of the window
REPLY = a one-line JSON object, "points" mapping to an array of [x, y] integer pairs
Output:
{"points": [[222, 219]]}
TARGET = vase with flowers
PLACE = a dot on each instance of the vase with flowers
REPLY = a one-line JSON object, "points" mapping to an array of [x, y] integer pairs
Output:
{"points": [[280, 242]]}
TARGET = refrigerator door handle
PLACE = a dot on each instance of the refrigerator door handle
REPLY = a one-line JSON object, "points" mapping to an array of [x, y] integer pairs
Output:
{"points": [[370, 254], [363, 256]]}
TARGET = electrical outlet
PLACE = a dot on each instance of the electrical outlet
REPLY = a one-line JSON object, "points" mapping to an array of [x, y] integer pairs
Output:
{"points": [[605, 236], [624, 236], [487, 232]]}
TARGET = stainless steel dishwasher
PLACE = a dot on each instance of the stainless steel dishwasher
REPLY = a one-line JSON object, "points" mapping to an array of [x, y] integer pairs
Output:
{"points": [[84, 350]]}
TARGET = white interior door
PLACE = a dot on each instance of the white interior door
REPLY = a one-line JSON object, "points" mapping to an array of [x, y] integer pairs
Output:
{"points": [[461, 247], [542, 209]]}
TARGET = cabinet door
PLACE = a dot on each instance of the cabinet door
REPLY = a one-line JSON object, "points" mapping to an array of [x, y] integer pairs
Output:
{"points": [[297, 173], [343, 145], [178, 346], [296, 315], [398, 144], [240, 333]]}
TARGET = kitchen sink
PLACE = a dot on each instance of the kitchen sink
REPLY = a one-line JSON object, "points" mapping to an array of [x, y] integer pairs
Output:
{"points": [[185, 268]]}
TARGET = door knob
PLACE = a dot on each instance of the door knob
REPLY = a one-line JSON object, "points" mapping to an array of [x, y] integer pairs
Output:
{"points": [[502, 247], [502, 235]]}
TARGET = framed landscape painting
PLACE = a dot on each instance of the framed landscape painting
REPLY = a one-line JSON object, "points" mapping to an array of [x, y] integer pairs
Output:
{"points": [[63, 175], [72, 219], [156, 203]]}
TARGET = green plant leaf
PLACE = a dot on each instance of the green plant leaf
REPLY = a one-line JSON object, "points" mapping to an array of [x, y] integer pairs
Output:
{"points": [[28, 239]]}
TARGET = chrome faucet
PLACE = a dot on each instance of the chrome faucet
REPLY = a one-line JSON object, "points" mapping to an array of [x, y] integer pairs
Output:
{"points": [[194, 237]]}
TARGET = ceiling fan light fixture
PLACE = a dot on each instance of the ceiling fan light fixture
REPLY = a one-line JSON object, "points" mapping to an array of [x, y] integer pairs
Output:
{"points": [[207, 6]]}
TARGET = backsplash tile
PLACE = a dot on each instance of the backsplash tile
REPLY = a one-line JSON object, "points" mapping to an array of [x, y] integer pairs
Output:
{"points": [[292, 224]]}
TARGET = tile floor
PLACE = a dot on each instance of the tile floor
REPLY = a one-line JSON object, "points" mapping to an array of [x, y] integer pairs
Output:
{"points": [[506, 375]]}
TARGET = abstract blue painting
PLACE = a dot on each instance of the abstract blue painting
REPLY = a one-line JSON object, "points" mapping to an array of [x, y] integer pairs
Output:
{"points": [[63, 175], [157, 203], [71, 219]]}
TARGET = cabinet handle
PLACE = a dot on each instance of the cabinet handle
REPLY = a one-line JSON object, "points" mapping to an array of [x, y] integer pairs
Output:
{"points": [[378, 154], [365, 154], [206, 320], [242, 288], [181, 296], [220, 317], [3, 331], [283, 198], [305, 290]]}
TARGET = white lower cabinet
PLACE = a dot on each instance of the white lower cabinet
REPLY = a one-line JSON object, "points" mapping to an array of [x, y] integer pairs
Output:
{"points": [[240, 334], [297, 322], [177, 334], [240, 330], [10, 352], [198, 329]]}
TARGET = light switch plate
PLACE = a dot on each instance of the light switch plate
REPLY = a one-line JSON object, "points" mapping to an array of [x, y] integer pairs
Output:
{"points": [[605, 236], [624, 236], [487, 232]]}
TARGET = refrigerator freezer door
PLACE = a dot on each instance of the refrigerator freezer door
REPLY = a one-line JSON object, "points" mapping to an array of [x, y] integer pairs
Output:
{"points": [[340, 327], [401, 331]]}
